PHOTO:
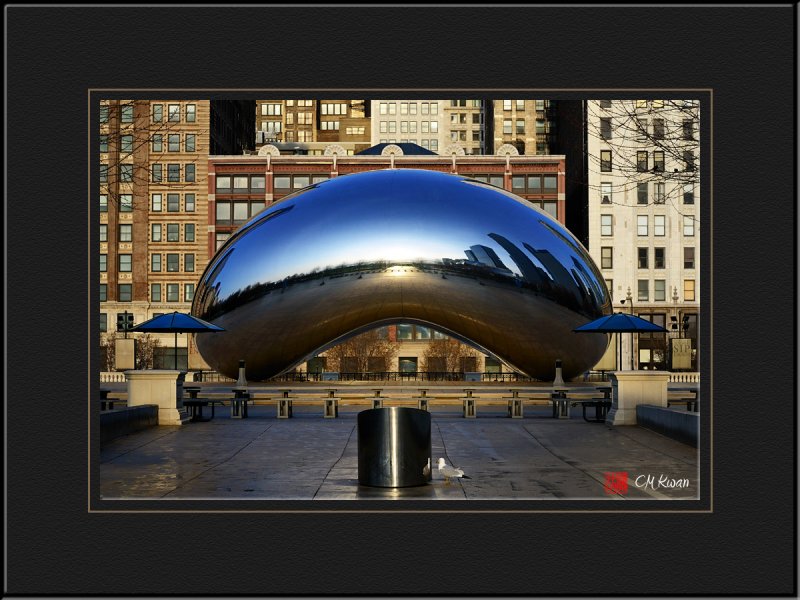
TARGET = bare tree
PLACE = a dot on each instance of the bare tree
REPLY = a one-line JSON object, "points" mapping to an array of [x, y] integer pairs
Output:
{"points": [[136, 147], [447, 355], [360, 352], [647, 142], [108, 351], [146, 346]]}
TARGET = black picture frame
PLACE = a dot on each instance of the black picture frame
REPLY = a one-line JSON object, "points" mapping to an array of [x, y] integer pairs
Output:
{"points": [[745, 545]]}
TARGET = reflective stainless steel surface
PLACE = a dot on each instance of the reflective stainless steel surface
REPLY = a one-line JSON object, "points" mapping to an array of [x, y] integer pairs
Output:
{"points": [[401, 245], [394, 447]]}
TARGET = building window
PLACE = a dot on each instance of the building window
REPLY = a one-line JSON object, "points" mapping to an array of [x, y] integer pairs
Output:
{"points": [[605, 193], [270, 110], [507, 127], [605, 161], [221, 238], [126, 144], [688, 225], [104, 114], [404, 331], [642, 257], [155, 292], [174, 142], [641, 193], [659, 225], [392, 108], [641, 225], [104, 143], [658, 160], [103, 233], [103, 322], [157, 173], [188, 263], [158, 142], [610, 287], [659, 290], [173, 173], [641, 161], [189, 173], [103, 173], [658, 129], [158, 113], [688, 193], [659, 259], [125, 292], [224, 182], [641, 104], [188, 292], [606, 257], [520, 126], [126, 202], [658, 104], [605, 103], [173, 263], [643, 290], [190, 142], [125, 263], [392, 126], [173, 202], [605, 128], [126, 173], [156, 203], [329, 125], [520, 104], [688, 160], [384, 127], [223, 212], [688, 257], [384, 108], [155, 263], [174, 113], [126, 233], [606, 225], [659, 193], [172, 292], [688, 129], [155, 232], [188, 232], [188, 203], [103, 263], [240, 212], [103, 292], [506, 104], [173, 232], [688, 290], [191, 113], [127, 113], [103, 202]]}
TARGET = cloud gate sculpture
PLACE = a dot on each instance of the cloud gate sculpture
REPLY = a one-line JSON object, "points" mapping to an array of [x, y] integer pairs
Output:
{"points": [[401, 246]]}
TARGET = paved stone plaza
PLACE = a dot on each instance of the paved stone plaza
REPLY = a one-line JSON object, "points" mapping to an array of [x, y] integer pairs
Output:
{"points": [[308, 457]]}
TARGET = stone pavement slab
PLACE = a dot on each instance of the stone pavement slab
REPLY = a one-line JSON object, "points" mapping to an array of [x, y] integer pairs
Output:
{"points": [[311, 458]]}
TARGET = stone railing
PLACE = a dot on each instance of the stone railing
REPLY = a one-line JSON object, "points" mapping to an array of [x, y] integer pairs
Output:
{"points": [[684, 378], [112, 377]]}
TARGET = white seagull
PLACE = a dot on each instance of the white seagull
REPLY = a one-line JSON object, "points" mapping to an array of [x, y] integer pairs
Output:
{"points": [[449, 472]]}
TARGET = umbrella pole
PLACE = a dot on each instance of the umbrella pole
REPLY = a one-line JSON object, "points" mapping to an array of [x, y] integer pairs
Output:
{"points": [[176, 350]]}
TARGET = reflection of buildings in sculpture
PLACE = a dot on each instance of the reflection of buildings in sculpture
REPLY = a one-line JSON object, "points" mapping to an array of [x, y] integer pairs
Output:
{"points": [[483, 255], [532, 274]]}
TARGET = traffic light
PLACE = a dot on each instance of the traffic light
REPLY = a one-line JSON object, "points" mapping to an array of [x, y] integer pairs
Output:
{"points": [[124, 321]]}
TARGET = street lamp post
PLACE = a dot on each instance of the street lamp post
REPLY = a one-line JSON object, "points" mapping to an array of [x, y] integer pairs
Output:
{"points": [[629, 299]]}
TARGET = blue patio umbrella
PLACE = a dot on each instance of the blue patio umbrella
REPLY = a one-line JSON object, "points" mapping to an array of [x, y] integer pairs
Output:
{"points": [[176, 322], [619, 323]]}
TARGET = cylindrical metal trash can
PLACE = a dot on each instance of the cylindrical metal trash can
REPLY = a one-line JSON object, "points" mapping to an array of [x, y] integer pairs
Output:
{"points": [[394, 447]]}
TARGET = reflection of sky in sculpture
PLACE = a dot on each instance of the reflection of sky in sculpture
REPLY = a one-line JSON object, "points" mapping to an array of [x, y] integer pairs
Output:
{"points": [[381, 227]]}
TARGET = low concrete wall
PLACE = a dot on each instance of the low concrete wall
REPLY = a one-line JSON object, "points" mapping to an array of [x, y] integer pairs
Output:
{"points": [[115, 423], [680, 425]]}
